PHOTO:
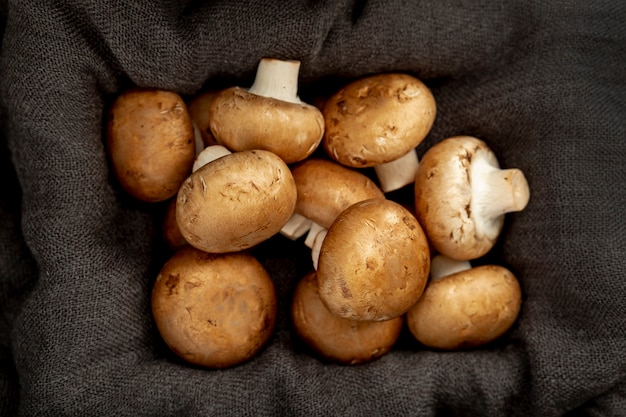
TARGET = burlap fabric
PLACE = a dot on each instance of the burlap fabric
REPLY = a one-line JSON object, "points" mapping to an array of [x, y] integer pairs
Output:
{"points": [[543, 82]]}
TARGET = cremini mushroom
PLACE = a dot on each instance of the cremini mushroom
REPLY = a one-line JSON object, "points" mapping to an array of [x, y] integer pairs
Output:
{"points": [[462, 195], [150, 143], [464, 306], [378, 121], [337, 339], [373, 262], [325, 188], [269, 115], [235, 201], [214, 310]]}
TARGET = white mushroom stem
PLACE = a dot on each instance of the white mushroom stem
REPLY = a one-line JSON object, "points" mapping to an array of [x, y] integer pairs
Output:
{"points": [[398, 173], [496, 192], [296, 227], [277, 79], [317, 246], [209, 154], [442, 266], [313, 232]]}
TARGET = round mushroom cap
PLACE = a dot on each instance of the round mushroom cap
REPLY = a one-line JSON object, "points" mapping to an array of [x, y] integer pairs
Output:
{"points": [[443, 198], [150, 142], [337, 339], [214, 310], [466, 309], [374, 262], [236, 201], [377, 119], [242, 121], [326, 188]]}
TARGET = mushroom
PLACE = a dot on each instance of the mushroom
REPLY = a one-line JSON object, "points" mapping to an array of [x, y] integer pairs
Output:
{"points": [[170, 230], [373, 262], [462, 195], [378, 121], [333, 338], [214, 310], [235, 201], [464, 307], [150, 143], [325, 188], [199, 111], [269, 115]]}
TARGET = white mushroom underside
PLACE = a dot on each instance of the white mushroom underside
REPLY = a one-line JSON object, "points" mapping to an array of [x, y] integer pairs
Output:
{"points": [[495, 192]]}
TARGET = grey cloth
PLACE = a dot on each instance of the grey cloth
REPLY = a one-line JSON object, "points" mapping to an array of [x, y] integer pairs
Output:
{"points": [[542, 82]]}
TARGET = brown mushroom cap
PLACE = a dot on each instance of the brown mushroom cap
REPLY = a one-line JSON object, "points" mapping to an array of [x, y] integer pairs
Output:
{"points": [[236, 201], [466, 309], [326, 188], [455, 200], [377, 119], [374, 261], [335, 338], [241, 121], [150, 142], [214, 310]]}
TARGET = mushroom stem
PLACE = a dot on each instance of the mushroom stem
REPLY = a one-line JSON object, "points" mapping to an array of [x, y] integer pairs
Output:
{"points": [[442, 266], [496, 191], [313, 232], [277, 79], [209, 154], [398, 173], [317, 246], [296, 227]]}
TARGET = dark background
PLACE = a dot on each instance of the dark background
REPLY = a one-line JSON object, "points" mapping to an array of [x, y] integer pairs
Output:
{"points": [[543, 83]]}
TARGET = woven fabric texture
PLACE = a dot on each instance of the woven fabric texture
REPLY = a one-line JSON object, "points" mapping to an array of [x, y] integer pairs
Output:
{"points": [[543, 83]]}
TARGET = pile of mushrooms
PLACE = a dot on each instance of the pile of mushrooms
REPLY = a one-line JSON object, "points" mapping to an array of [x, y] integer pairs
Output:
{"points": [[237, 167]]}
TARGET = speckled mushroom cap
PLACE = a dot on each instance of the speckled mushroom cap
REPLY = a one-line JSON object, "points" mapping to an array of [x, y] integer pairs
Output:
{"points": [[326, 188], [374, 261], [150, 142], [377, 119], [236, 201], [335, 338], [467, 308], [214, 310], [242, 121], [461, 195]]}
